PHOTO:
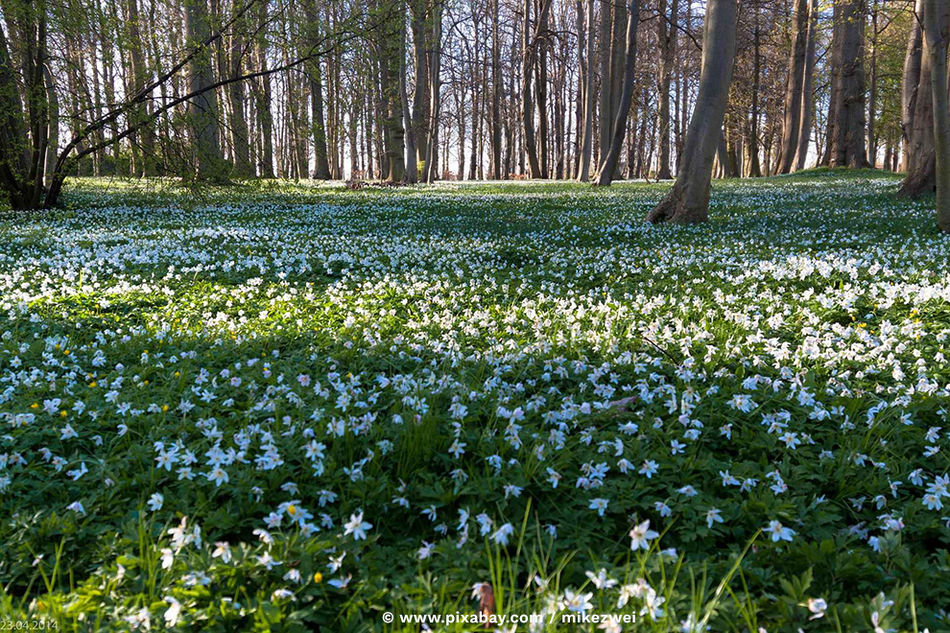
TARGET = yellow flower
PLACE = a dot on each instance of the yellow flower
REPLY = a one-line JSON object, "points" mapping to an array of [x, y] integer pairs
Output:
{"points": [[62, 413], [164, 408], [66, 352], [177, 374], [93, 384], [318, 578], [35, 405], [145, 383]]}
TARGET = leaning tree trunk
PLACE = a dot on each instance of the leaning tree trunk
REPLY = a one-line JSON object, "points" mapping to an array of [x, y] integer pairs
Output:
{"points": [[608, 166], [794, 87], [920, 175], [936, 24], [688, 201]]}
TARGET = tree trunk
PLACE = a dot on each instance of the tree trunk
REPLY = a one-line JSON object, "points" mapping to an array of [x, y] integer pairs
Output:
{"points": [[495, 95], [608, 165], [921, 144], [807, 96], [203, 108], [936, 22], [435, 87], [587, 67], [910, 82], [848, 142], [667, 34], [794, 87], [392, 47], [688, 202], [529, 50], [752, 139]]}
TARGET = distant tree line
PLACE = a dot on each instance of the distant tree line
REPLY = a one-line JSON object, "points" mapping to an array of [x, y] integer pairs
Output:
{"points": [[422, 90]]}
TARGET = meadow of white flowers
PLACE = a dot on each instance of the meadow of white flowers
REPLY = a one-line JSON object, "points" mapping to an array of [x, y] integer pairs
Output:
{"points": [[276, 412]]}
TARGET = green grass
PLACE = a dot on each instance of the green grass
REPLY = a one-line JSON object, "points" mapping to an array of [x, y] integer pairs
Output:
{"points": [[423, 356]]}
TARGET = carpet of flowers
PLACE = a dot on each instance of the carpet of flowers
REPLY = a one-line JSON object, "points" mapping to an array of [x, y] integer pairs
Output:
{"points": [[305, 407]]}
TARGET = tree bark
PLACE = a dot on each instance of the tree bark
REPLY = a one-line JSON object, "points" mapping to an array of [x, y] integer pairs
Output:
{"points": [[807, 96], [667, 34], [850, 126], [794, 87], [910, 81], [608, 165], [936, 23], [688, 201], [203, 108], [587, 72]]}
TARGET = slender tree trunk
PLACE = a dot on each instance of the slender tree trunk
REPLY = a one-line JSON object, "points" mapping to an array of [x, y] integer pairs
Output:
{"points": [[435, 101], [752, 140], [667, 34], [688, 201], [608, 165], [588, 99], [794, 87], [807, 95], [495, 94]]}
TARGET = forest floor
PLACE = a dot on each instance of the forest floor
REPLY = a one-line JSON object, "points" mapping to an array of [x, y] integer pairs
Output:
{"points": [[277, 407]]}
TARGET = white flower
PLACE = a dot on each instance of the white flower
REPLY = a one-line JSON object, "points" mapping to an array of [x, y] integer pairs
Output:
{"points": [[641, 535], [356, 526], [155, 502], [173, 613], [778, 532], [817, 606]]}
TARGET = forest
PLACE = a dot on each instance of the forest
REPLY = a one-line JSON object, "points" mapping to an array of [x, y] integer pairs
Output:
{"points": [[475, 315], [428, 90]]}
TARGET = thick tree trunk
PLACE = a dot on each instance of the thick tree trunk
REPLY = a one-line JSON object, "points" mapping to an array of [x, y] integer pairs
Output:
{"points": [[910, 82], [688, 201], [608, 165], [850, 127], [921, 144], [794, 87], [936, 23], [203, 108], [239, 133], [392, 48]]}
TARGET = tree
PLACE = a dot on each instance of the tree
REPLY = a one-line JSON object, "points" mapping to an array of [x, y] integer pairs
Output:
{"points": [[847, 143], [207, 159], [688, 201], [807, 90], [795, 86], [608, 164], [936, 21], [586, 75], [667, 36]]}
